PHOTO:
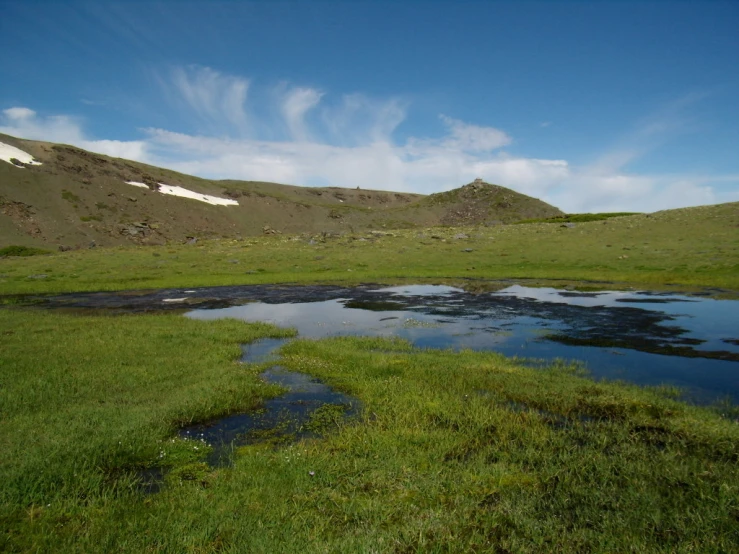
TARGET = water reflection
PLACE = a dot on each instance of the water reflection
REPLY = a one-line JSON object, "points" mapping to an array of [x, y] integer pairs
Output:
{"points": [[636, 336]]}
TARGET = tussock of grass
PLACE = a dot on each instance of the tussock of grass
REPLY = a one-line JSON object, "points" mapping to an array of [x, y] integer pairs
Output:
{"points": [[453, 451]]}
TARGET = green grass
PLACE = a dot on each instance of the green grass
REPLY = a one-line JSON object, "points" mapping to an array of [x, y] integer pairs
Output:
{"points": [[453, 452], [689, 247], [17, 250], [87, 218], [80, 405], [578, 218], [70, 196]]}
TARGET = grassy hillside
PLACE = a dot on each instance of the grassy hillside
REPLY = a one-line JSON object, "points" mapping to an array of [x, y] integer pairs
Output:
{"points": [[77, 197], [692, 246]]}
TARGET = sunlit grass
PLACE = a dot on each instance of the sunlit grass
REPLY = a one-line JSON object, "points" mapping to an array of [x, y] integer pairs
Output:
{"points": [[691, 247], [452, 452], [86, 397]]}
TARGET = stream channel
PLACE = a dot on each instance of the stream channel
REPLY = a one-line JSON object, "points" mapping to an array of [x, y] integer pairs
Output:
{"points": [[650, 338]]}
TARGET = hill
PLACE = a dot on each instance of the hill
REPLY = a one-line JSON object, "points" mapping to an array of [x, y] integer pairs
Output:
{"points": [[55, 195]]}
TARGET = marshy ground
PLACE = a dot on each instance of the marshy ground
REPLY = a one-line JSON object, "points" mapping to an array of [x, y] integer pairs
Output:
{"points": [[451, 451]]}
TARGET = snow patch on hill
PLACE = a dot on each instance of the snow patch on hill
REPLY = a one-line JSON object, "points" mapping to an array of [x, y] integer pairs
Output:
{"points": [[137, 184], [185, 193], [8, 152]]}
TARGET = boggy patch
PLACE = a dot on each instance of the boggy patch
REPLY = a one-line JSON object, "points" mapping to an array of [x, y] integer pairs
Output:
{"points": [[598, 327], [608, 326], [306, 410]]}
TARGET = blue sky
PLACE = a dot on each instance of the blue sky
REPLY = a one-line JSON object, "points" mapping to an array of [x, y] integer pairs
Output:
{"points": [[593, 106]]}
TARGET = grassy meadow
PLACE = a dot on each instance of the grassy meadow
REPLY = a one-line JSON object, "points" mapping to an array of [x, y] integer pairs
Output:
{"points": [[692, 247], [452, 452]]}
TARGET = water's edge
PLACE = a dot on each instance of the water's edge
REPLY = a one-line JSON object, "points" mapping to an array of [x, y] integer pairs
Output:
{"points": [[285, 418]]}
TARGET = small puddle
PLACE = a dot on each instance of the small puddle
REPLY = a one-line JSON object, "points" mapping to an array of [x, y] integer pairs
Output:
{"points": [[289, 417], [150, 479], [262, 351]]}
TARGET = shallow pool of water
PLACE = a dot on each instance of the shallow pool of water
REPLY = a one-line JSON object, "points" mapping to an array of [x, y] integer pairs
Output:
{"points": [[650, 338], [641, 337]]}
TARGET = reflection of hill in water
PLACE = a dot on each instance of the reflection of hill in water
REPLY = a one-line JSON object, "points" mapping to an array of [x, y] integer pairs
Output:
{"points": [[612, 325], [603, 326]]}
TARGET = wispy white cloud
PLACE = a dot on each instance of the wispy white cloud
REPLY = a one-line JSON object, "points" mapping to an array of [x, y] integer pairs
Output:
{"points": [[649, 133], [473, 138], [26, 123], [19, 114], [296, 103], [350, 141], [358, 119], [217, 99], [606, 184]]}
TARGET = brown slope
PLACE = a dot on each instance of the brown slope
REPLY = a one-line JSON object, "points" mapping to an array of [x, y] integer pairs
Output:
{"points": [[482, 203], [76, 198]]}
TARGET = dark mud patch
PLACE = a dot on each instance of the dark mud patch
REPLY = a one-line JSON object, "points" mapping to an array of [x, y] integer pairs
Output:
{"points": [[20, 300], [652, 347], [651, 300], [375, 306], [164, 300], [366, 296]]}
